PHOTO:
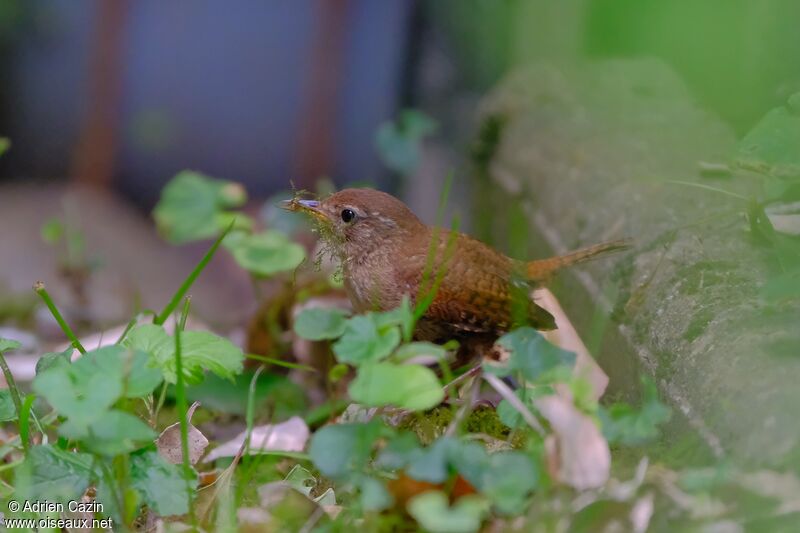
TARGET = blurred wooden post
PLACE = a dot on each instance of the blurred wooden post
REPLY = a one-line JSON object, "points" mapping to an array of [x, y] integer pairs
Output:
{"points": [[93, 160], [314, 152]]}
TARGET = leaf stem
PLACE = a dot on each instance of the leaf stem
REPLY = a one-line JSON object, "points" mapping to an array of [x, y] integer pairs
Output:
{"points": [[40, 289], [180, 401], [190, 279]]}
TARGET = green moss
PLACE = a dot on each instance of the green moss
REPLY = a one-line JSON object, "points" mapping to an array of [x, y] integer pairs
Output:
{"points": [[429, 425], [485, 420]]}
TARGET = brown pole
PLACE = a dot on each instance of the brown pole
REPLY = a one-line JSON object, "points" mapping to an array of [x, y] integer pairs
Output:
{"points": [[93, 159], [313, 152]]}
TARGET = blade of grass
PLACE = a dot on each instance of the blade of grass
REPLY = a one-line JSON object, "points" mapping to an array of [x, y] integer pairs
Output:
{"points": [[278, 362], [40, 289], [251, 408], [190, 279], [24, 422], [15, 397], [183, 408]]}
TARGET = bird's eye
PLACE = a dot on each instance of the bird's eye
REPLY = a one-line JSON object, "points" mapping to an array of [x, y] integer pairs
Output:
{"points": [[348, 215]]}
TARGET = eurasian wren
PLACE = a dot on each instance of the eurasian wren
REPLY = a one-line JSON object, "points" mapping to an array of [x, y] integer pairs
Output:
{"points": [[387, 252]]}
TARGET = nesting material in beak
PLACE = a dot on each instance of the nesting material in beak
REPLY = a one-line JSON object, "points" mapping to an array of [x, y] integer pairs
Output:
{"points": [[307, 206]]}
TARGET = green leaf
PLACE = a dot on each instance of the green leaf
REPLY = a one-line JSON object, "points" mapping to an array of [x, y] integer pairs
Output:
{"points": [[374, 496], [194, 207], [5, 144], [161, 484], [117, 432], [200, 351], [532, 355], [509, 416], [419, 349], [7, 345], [7, 409], [398, 142], [364, 340], [130, 366], [151, 339], [401, 449], [402, 315], [319, 323], [508, 481], [412, 387], [433, 464], [433, 512], [82, 398], [470, 459], [626, 425], [52, 359], [50, 473], [341, 449], [266, 253]]}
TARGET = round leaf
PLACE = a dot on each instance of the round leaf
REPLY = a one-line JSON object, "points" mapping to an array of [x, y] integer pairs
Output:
{"points": [[412, 387], [266, 253], [320, 323]]}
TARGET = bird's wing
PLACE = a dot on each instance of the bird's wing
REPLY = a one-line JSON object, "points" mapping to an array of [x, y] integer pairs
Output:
{"points": [[478, 289]]}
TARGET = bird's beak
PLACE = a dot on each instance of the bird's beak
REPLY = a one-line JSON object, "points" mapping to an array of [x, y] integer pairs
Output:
{"points": [[308, 206]]}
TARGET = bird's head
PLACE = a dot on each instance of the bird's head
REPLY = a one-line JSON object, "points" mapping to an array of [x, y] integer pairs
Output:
{"points": [[357, 221]]}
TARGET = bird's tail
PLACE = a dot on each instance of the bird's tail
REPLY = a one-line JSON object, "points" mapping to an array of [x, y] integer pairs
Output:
{"points": [[541, 270]]}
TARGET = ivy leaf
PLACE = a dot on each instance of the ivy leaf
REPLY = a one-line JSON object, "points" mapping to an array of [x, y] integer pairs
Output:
{"points": [[194, 207], [532, 355], [8, 411], [626, 425], [200, 350], [364, 340], [50, 473], [265, 253], [398, 142], [340, 449], [433, 512], [162, 485], [412, 387], [319, 323], [7, 345]]}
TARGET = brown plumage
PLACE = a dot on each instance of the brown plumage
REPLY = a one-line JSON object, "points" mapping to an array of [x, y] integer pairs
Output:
{"points": [[387, 252]]}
